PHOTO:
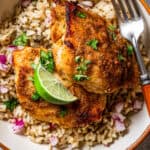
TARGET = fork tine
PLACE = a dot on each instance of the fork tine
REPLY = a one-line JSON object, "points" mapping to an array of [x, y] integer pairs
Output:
{"points": [[136, 7], [130, 8], [133, 8], [123, 9], [116, 9]]}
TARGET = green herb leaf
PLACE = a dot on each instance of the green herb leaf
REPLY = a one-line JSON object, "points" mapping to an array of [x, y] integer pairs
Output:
{"points": [[111, 31], [81, 14], [63, 112], [11, 104], [83, 66], [130, 49], [87, 62], [35, 96], [44, 55], [31, 79], [50, 66], [78, 59], [121, 58], [80, 77], [114, 37], [33, 65], [21, 40], [47, 61], [112, 27], [93, 43]]}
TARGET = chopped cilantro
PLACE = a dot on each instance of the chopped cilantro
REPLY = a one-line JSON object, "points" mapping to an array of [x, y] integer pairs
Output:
{"points": [[81, 69], [21, 40], [63, 112], [31, 79], [47, 61], [35, 96], [130, 49], [80, 77], [78, 59], [83, 66], [81, 14], [112, 27], [33, 65], [11, 104], [87, 62], [114, 37], [44, 56], [93, 43], [120, 57], [111, 31]]}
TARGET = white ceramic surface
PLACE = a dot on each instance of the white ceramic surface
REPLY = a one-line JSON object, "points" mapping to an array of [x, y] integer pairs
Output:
{"points": [[139, 122]]}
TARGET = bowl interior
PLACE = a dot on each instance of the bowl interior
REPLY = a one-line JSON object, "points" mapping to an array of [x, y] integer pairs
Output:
{"points": [[139, 121]]}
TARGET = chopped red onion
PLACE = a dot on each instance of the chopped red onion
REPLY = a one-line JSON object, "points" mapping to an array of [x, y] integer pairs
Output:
{"points": [[53, 140], [18, 126], [3, 67], [107, 145], [137, 105], [11, 48], [25, 3], [86, 3], [9, 58], [3, 59], [53, 126], [48, 20], [118, 116], [3, 90], [119, 121], [119, 126], [119, 107]]}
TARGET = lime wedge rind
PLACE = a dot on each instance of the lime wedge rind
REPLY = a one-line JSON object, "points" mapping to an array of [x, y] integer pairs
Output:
{"points": [[50, 89]]}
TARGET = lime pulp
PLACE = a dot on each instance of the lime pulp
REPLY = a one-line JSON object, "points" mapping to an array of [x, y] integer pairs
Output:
{"points": [[50, 88]]}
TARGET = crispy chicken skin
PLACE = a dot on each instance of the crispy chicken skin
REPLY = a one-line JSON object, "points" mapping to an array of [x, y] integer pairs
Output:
{"points": [[70, 35], [87, 109]]}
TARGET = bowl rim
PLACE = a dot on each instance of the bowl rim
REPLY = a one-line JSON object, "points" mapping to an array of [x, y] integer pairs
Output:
{"points": [[3, 147], [131, 147], [140, 139]]}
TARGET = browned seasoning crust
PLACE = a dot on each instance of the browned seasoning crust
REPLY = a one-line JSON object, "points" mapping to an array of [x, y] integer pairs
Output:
{"points": [[87, 109], [106, 73]]}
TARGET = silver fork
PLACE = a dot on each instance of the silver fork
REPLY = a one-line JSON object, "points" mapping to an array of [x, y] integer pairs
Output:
{"points": [[131, 26]]}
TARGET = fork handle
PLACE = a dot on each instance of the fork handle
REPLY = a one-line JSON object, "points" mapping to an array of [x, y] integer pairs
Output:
{"points": [[145, 79], [139, 57], [146, 92]]}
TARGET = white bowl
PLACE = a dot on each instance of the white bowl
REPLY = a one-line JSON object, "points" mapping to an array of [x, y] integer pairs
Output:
{"points": [[139, 123]]}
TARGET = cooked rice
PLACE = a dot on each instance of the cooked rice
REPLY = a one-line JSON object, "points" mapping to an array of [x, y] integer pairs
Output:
{"points": [[34, 20]]}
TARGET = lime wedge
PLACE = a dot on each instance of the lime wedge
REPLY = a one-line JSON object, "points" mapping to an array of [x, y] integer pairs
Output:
{"points": [[50, 88]]}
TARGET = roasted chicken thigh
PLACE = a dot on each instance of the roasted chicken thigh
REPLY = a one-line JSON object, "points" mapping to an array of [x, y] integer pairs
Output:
{"points": [[73, 32], [87, 109], [91, 60]]}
